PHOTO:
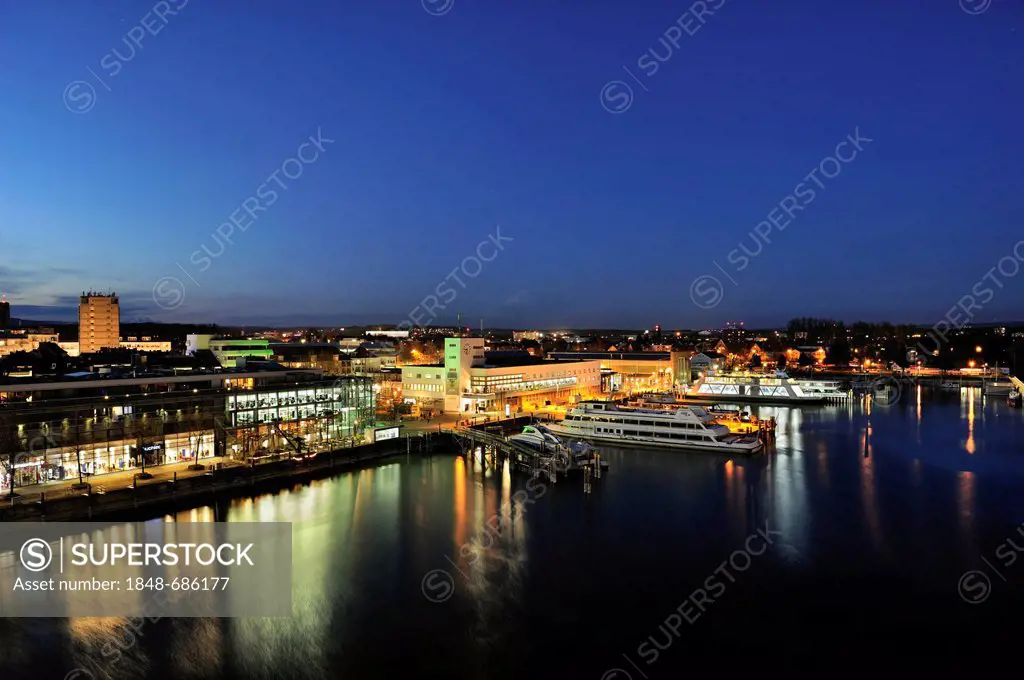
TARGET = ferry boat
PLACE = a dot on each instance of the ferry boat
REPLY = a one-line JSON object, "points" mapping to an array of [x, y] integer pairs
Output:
{"points": [[780, 389], [730, 415], [689, 427]]}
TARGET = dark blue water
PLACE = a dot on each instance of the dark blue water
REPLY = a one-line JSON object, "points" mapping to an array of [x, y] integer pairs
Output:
{"points": [[874, 514]]}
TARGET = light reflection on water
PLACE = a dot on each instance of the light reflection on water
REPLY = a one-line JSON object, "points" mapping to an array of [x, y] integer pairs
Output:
{"points": [[894, 487]]}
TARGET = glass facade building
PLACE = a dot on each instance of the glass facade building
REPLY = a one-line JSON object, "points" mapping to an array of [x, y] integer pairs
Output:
{"points": [[265, 421]]}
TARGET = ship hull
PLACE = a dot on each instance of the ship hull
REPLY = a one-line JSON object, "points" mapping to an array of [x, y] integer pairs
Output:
{"points": [[646, 443]]}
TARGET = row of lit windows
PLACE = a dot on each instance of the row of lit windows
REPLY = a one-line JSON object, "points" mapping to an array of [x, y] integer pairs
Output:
{"points": [[653, 435], [632, 421], [322, 395], [423, 387], [528, 385], [518, 378], [498, 380]]}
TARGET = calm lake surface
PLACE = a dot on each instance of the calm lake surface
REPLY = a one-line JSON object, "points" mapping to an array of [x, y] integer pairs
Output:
{"points": [[874, 514]]}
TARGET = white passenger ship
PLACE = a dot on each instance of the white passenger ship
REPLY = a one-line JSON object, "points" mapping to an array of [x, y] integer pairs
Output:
{"points": [[779, 389], [690, 427]]}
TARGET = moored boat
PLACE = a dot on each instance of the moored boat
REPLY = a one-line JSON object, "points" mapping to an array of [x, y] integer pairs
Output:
{"points": [[777, 389], [732, 416], [688, 427], [575, 455], [538, 439]]}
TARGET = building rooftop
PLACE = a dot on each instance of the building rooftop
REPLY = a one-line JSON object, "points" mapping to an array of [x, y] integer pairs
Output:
{"points": [[293, 349], [140, 377]]}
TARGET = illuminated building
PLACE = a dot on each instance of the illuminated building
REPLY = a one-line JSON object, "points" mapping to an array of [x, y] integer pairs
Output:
{"points": [[815, 352], [638, 371], [146, 345], [195, 342], [232, 352], [25, 341], [738, 352], [707, 363], [272, 418], [472, 380], [90, 425], [389, 334], [99, 322], [349, 345], [73, 349], [325, 357], [371, 359]]}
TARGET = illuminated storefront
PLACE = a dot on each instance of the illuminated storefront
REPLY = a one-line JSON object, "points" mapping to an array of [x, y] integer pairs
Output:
{"points": [[60, 430], [56, 463]]}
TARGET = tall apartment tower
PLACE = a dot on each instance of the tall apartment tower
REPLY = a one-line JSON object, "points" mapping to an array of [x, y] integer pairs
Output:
{"points": [[99, 322], [5, 313]]}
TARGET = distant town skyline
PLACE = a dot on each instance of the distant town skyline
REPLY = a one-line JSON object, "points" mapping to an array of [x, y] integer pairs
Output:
{"points": [[129, 315]]}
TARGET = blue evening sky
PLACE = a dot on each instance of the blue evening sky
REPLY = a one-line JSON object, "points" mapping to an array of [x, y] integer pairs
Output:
{"points": [[491, 114]]}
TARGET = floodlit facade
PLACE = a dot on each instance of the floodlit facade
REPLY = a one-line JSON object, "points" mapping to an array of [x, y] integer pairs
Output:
{"points": [[639, 371], [24, 342], [195, 342], [389, 334], [374, 364], [145, 345], [466, 383], [423, 386], [519, 336], [707, 363], [99, 322], [231, 353]]}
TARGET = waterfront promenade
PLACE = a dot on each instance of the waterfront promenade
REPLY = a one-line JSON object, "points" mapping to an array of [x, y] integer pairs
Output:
{"points": [[221, 466]]}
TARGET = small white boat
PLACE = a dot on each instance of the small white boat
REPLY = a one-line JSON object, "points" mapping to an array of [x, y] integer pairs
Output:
{"points": [[1013, 399], [573, 455], [538, 438], [947, 385]]}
